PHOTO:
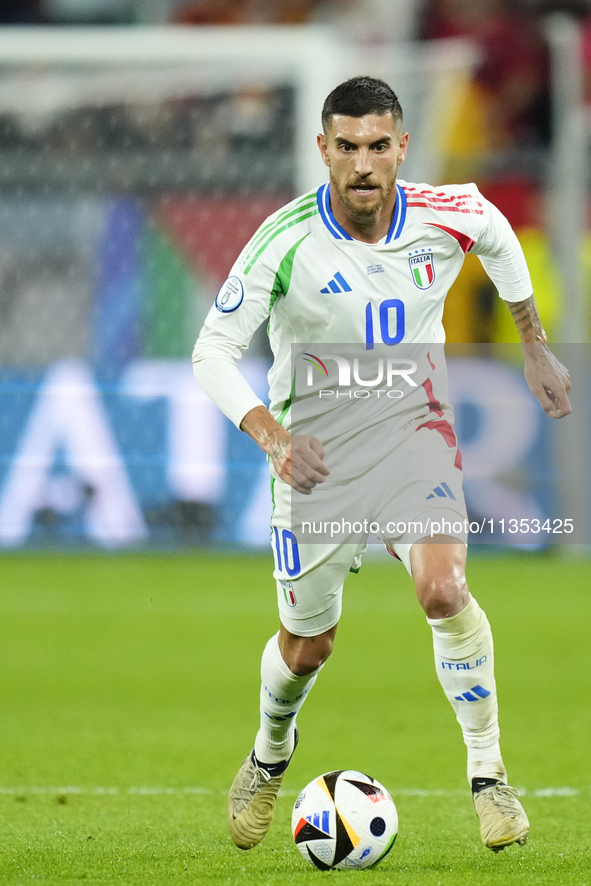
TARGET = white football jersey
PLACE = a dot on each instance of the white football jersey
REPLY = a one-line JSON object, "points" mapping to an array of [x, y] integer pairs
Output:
{"points": [[317, 284]]}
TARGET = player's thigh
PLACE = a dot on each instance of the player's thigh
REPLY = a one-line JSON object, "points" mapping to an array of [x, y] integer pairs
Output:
{"points": [[310, 576], [427, 499]]}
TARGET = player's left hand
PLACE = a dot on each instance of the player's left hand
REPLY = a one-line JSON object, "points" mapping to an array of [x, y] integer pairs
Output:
{"points": [[548, 380]]}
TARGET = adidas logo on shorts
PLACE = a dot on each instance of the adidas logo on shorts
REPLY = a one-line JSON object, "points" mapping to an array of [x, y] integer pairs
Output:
{"points": [[442, 491]]}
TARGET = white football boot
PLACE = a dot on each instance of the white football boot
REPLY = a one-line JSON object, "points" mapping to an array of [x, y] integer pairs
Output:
{"points": [[252, 798], [502, 817]]}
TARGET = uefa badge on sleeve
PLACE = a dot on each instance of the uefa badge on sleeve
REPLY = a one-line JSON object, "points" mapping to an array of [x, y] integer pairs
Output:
{"points": [[422, 268], [230, 295]]}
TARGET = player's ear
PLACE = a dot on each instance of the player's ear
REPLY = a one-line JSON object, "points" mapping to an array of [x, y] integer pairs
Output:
{"points": [[321, 142], [403, 148]]}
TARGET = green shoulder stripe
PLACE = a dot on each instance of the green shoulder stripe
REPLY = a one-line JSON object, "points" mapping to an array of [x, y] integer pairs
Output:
{"points": [[283, 275], [267, 230], [275, 233], [305, 202]]}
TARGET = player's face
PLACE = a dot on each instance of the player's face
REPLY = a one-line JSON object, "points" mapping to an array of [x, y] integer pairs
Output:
{"points": [[363, 155]]}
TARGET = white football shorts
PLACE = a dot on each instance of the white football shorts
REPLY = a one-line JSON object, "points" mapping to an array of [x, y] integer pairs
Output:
{"points": [[413, 493]]}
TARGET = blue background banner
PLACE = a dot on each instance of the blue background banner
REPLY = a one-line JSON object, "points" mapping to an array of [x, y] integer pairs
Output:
{"points": [[139, 456]]}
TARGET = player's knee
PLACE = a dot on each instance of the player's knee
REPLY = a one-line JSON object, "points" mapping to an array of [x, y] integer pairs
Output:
{"points": [[309, 655], [444, 595]]}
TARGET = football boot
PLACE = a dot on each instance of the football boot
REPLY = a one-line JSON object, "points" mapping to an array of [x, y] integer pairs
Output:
{"points": [[252, 798], [502, 817]]}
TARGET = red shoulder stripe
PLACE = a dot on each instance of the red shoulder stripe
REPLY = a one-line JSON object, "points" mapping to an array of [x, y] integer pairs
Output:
{"points": [[439, 197], [466, 243], [442, 202], [445, 208]]}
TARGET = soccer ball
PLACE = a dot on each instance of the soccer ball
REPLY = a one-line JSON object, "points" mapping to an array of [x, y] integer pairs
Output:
{"points": [[344, 819]]}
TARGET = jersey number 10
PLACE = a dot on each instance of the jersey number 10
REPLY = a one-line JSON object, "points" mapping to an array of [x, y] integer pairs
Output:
{"points": [[390, 304]]}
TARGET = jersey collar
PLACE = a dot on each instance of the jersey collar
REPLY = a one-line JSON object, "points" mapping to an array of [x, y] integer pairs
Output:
{"points": [[398, 216], [339, 233], [323, 199]]}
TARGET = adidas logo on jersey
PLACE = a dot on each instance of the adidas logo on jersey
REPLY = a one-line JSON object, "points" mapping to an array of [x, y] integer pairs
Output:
{"points": [[475, 693], [442, 491], [337, 284]]}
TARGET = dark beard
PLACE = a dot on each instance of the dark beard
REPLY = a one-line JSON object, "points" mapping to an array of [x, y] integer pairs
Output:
{"points": [[358, 213]]}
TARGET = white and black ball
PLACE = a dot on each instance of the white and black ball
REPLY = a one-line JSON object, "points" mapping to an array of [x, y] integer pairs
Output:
{"points": [[344, 819]]}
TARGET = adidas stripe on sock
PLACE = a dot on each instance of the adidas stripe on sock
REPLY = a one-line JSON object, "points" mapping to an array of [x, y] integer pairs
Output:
{"points": [[464, 660]]}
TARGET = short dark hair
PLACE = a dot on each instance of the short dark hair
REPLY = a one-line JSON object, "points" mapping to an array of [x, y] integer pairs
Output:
{"points": [[360, 96]]}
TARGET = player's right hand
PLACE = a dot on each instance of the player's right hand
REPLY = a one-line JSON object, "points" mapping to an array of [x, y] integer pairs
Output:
{"points": [[298, 460]]}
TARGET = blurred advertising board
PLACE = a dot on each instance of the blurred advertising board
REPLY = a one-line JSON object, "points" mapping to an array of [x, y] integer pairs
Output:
{"points": [[138, 456]]}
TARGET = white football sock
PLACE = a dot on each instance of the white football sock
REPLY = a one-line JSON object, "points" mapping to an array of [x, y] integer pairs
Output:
{"points": [[464, 660], [282, 695]]}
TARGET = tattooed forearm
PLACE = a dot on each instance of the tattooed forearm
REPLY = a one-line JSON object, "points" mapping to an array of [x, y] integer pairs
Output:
{"points": [[527, 320]]}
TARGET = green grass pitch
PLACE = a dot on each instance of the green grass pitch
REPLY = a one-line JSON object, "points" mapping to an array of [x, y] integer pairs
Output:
{"points": [[129, 696]]}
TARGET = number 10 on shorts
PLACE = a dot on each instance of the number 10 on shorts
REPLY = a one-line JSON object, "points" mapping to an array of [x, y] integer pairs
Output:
{"points": [[287, 551]]}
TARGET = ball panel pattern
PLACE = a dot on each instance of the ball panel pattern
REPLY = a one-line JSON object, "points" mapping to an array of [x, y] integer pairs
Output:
{"points": [[344, 819]]}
